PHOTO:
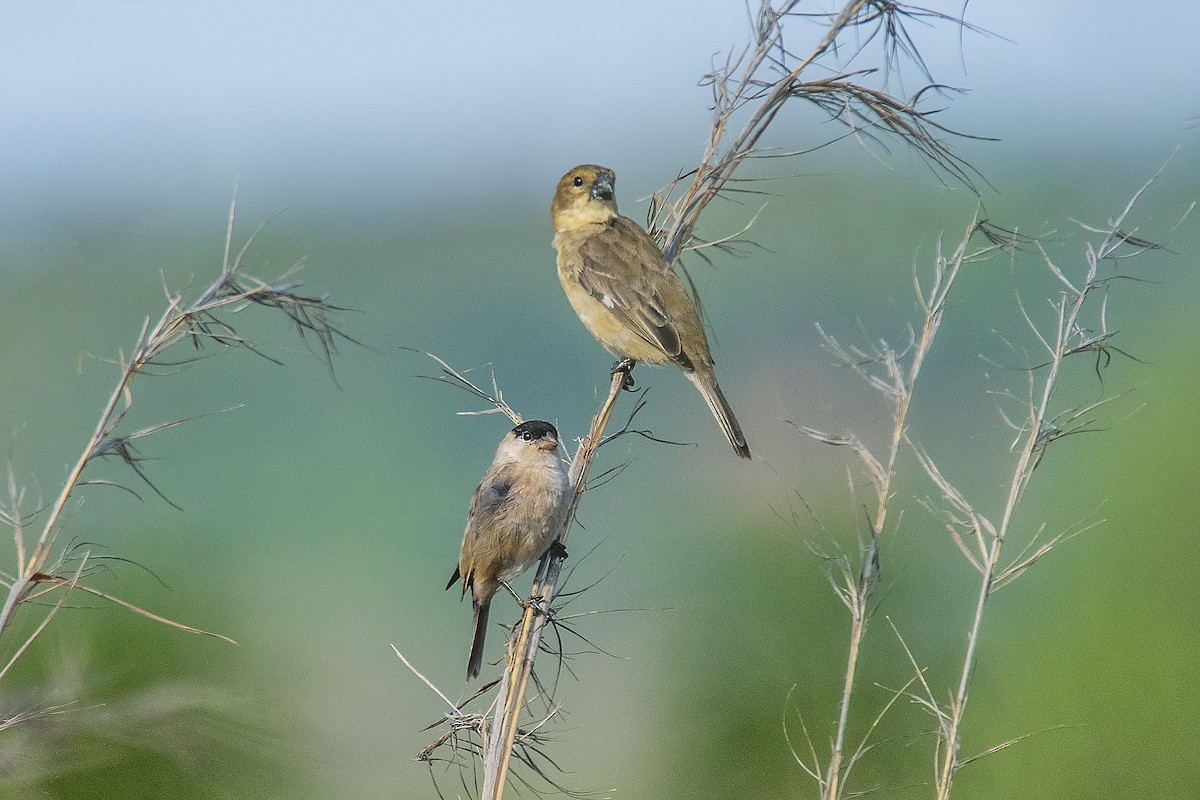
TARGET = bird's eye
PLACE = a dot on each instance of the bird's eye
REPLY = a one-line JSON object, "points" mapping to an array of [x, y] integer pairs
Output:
{"points": [[527, 436], [578, 181]]}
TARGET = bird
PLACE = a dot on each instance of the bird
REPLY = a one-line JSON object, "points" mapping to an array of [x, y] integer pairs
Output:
{"points": [[626, 293], [515, 516]]}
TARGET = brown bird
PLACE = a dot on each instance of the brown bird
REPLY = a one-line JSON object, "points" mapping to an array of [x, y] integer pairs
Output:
{"points": [[516, 513], [626, 293]]}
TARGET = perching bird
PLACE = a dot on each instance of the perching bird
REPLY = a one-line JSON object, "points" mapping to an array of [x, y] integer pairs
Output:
{"points": [[515, 515], [626, 293]]}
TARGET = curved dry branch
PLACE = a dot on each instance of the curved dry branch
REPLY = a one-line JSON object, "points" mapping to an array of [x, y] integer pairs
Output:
{"points": [[766, 76], [201, 322]]}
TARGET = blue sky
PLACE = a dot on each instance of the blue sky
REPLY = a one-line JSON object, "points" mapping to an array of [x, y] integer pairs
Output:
{"points": [[147, 98]]}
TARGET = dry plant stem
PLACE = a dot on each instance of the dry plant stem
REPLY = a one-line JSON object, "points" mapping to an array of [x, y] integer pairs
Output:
{"points": [[1068, 339], [711, 178], [763, 82], [37, 560], [901, 389], [1068, 315], [196, 322], [524, 644]]}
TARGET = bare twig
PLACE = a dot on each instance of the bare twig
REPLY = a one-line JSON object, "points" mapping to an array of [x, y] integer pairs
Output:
{"points": [[453, 377], [884, 370], [764, 77], [201, 322], [1040, 427]]}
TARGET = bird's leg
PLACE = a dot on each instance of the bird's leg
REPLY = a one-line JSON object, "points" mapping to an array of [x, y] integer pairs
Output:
{"points": [[525, 603], [626, 366], [557, 550]]}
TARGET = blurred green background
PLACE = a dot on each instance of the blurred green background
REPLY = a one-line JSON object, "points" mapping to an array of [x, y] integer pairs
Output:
{"points": [[415, 150]]}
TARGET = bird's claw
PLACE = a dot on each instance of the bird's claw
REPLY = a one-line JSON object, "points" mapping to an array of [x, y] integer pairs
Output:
{"points": [[532, 602], [558, 550], [523, 602], [625, 365]]}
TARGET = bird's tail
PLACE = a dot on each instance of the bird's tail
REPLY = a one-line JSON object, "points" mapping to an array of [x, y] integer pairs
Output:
{"points": [[478, 631], [706, 382]]}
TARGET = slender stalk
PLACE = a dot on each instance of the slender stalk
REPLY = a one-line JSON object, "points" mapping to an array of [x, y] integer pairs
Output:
{"points": [[766, 80], [902, 389], [1020, 479], [710, 179], [41, 551], [199, 322], [524, 645], [1067, 341]]}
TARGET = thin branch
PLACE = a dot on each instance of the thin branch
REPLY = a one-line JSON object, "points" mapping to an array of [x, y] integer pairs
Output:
{"points": [[1040, 428], [455, 378], [202, 322], [425, 680], [74, 583], [761, 80], [897, 382]]}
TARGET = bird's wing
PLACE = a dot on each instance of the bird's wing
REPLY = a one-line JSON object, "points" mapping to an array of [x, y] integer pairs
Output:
{"points": [[488, 498], [623, 269]]}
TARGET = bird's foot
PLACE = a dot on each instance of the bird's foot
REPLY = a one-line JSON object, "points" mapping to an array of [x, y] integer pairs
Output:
{"points": [[557, 549], [535, 604], [625, 365], [525, 603]]}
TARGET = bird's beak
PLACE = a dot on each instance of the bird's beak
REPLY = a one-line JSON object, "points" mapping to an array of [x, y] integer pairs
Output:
{"points": [[548, 444], [602, 188]]}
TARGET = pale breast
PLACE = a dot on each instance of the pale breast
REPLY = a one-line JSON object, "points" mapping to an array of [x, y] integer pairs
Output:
{"points": [[544, 492], [608, 328]]}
